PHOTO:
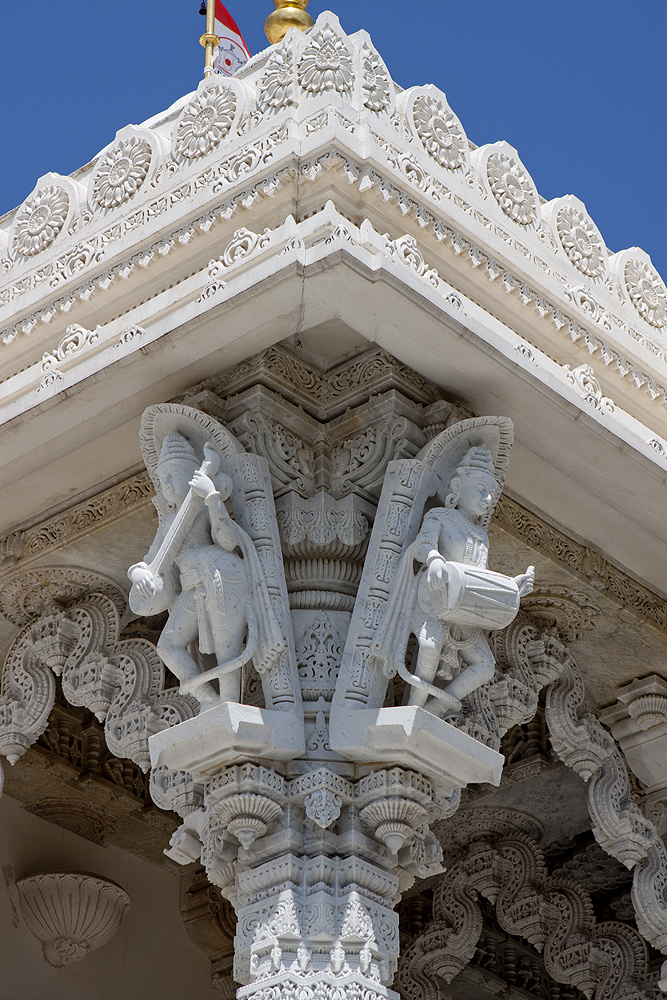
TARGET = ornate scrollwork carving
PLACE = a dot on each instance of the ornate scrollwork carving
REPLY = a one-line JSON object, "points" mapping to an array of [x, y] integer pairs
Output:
{"points": [[555, 915], [76, 635]]}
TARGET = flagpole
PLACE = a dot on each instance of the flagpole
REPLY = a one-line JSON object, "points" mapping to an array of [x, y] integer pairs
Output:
{"points": [[210, 39]]}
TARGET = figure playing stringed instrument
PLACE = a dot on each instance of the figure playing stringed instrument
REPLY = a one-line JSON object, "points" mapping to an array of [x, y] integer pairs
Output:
{"points": [[202, 567]]}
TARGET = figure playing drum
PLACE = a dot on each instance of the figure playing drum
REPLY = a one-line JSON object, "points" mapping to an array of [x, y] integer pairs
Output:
{"points": [[453, 600]]}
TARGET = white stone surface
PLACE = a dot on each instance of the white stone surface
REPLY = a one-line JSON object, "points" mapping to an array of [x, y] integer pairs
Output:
{"points": [[639, 722], [416, 739], [150, 956], [226, 734], [71, 914], [221, 228]]}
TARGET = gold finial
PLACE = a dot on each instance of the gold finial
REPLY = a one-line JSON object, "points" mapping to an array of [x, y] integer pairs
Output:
{"points": [[209, 39], [288, 14]]}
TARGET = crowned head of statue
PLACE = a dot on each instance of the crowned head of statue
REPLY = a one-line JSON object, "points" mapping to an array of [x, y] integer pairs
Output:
{"points": [[176, 467], [474, 490]]}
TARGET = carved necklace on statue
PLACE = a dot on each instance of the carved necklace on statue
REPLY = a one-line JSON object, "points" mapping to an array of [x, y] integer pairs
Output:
{"points": [[477, 547]]}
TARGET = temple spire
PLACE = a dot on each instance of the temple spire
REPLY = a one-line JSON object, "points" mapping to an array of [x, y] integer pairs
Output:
{"points": [[288, 14]]}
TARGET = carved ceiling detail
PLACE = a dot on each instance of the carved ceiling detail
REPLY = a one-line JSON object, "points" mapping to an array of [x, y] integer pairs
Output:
{"points": [[553, 914]]}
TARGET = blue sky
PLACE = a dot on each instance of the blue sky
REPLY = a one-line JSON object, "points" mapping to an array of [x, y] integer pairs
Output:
{"points": [[579, 87]]}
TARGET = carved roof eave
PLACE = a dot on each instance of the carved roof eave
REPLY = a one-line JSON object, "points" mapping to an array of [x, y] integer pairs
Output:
{"points": [[416, 316], [381, 169], [64, 298], [258, 261]]}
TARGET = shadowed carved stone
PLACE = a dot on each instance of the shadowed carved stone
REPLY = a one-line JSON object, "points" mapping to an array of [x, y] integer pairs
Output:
{"points": [[210, 922], [84, 818], [121, 682], [71, 914], [555, 915], [618, 823]]}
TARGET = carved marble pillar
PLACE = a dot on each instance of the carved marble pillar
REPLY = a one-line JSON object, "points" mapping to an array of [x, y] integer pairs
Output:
{"points": [[314, 844]]}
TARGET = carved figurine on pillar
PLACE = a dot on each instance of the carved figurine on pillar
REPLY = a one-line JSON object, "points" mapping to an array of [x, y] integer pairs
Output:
{"points": [[202, 567], [453, 599]]}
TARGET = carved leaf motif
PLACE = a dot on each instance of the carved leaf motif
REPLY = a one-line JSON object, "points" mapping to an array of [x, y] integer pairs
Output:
{"points": [[326, 64]]}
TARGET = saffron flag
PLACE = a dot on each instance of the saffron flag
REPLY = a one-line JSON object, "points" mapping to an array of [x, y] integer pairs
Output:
{"points": [[232, 52]]}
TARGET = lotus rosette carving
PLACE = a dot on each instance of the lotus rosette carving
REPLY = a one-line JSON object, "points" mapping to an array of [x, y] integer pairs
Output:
{"points": [[205, 122], [121, 173], [512, 188], [275, 89], [440, 132], [39, 220], [71, 914], [375, 83], [581, 241], [326, 64], [647, 292]]}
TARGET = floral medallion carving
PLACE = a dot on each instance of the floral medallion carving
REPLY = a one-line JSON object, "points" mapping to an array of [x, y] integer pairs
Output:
{"points": [[647, 292], [205, 122], [39, 220], [375, 83], [440, 132], [121, 172], [275, 88], [581, 241], [326, 64], [512, 188]]}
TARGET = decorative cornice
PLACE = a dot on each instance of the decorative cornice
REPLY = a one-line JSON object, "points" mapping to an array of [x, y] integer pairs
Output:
{"points": [[283, 371], [324, 394], [75, 522], [582, 561]]}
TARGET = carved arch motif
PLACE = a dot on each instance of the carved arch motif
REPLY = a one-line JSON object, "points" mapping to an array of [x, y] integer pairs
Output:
{"points": [[555, 915], [121, 682]]}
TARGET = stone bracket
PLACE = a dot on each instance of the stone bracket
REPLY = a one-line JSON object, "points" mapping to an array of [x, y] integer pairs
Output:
{"points": [[410, 737], [227, 734]]}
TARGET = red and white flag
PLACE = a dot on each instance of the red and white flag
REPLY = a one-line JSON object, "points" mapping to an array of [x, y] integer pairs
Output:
{"points": [[232, 52]]}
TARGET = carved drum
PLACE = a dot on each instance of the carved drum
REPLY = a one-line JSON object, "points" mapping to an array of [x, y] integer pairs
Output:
{"points": [[476, 597]]}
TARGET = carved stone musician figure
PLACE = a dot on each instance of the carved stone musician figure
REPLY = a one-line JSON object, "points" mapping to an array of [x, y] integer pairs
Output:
{"points": [[204, 568], [446, 596]]}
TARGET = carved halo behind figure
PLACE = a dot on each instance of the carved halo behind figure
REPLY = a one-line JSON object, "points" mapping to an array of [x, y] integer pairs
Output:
{"points": [[259, 543]]}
